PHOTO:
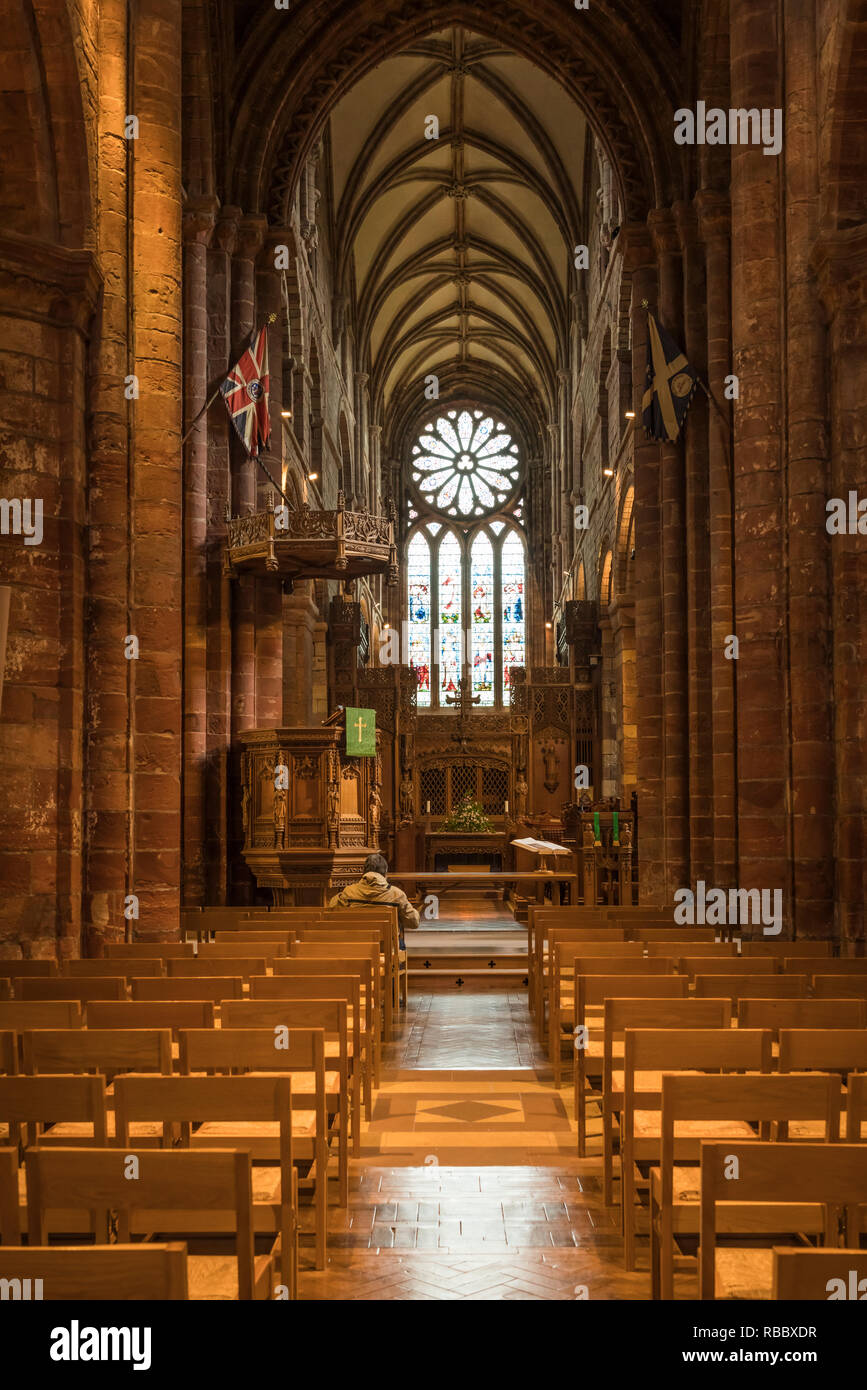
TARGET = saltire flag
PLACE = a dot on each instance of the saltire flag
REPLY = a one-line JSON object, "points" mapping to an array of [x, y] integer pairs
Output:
{"points": [[246, 391], [671, 384]]}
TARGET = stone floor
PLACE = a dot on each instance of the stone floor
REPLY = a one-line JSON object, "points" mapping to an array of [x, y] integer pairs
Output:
{"points": [[469, 1186]]}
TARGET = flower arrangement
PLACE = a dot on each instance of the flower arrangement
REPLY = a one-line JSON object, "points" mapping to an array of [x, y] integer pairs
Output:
{"points": [[469, 817]]}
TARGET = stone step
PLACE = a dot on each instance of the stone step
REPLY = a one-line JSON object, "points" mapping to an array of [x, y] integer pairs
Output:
{"points": [[466, 960], [467, 981]]}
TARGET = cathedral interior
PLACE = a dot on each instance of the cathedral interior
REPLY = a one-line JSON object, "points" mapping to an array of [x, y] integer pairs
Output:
{"points": [[437, 431]]}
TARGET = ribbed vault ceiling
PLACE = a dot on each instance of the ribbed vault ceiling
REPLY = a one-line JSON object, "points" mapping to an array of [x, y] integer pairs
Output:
{"points": [[459, 248]]}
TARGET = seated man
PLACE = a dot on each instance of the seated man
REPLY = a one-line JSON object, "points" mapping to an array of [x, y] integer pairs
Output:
{"points": [[374, 888]]}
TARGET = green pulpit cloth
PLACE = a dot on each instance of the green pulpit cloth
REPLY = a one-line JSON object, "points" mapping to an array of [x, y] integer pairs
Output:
{"points": [[360, 733]]}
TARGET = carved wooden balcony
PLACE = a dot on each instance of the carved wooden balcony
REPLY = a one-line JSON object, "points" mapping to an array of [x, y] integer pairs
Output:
{"points": [[307, 544]]}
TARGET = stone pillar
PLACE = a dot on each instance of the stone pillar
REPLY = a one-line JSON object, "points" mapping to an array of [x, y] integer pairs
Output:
{"points": [[809, 561], [156, 599], [674, 617], [219, 658], [695, 451], [715, 227], [300, 620], [764, 857], [199, 218], [840, 258], [269, 597], [640, 263], [47, 300], [110, 677]]}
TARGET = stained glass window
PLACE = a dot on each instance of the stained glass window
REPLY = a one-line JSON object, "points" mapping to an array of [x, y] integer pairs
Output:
{"points": [[464, 464], [512, 571], [419, 582], [450, 625], [482, 618]]}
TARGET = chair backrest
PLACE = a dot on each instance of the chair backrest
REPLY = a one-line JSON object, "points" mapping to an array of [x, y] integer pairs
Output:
{"points": [[724, 965], [131, 950], [177, 1180], [756, 1098], [171, 1100], [801, 1275], [40, 1100], [212, 987], [751, 986], [10, 1213], [666, 947], [327, 1014], [226, 950], [335, 950], [20, 968], [137, 1013], [595, 989], [801, 1013], [40, 1013], [699, 1049], [820, 1049], [105, 1050], [786, 948], [856, 1105], [8, 1052], [252, 1049], [823, 965], [156, 1273], [236, 965], [831, 1174], [255, 938], [349, 934], [110, 987], [840, 986], [564, 947], [616, 965], [96, 969], [622, 1013], [707, 935]]}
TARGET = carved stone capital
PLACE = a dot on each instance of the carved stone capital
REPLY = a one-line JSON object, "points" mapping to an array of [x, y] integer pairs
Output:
{"points": [[199, 219], [251, 236], [47, 282], [226, 229]]}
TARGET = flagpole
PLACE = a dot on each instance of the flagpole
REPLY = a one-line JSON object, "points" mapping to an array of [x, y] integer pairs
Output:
{"points": [[206, 406]]}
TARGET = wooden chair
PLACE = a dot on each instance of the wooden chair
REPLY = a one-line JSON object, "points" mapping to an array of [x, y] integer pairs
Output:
{"points": [[591, 993], [33, 1101], [736, 987], [138, 1013], [817, 1275], [170, 1187], [209, 987], [569, 963], [723, 950], [107, 1051], [646, 1011], [93, 1273], [223, 1104], [347, 1053], [361, 955], [256, 1043], [801, 1013], [360, 919], [255, 938], [131, 950], [833, 1174], [297, 967], [687, 1101], [856, 1107], [331, 1016], [841, 1050], [648, 1052], [96, 969], [79, 990]]}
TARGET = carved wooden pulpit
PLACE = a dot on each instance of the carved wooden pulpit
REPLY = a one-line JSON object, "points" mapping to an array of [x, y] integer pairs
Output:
{"points": [[311, 814]]}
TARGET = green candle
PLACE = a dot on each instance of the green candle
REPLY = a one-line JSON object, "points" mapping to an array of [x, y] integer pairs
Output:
{"points": [[615, 821], [596, 835]]}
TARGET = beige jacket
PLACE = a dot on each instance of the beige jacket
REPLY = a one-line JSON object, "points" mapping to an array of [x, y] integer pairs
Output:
{"points": [[373, 888]]}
